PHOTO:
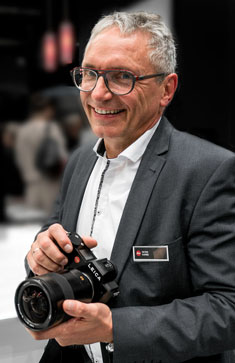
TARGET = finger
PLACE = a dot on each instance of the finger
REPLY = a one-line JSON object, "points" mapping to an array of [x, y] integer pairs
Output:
{"points": [[97, 316], [60, 330], [90, 242], [74, 308], [59, 234], [47, 240], [34, 266], [43, 334], [77, 309], [40, 263], [48, 254]]}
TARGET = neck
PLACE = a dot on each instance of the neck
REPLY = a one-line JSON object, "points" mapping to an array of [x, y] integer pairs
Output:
{"points": [[114, 146]]}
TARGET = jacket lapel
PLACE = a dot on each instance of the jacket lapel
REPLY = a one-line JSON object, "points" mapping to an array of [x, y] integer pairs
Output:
{"points": [[147, 175]]}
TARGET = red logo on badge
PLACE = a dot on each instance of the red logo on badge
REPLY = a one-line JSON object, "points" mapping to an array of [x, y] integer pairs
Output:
{"points": [[138, 253], [77, 259]]}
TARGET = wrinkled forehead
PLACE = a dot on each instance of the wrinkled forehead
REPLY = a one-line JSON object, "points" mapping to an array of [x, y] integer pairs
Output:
{"points": [[113, 37], [111, 45]]}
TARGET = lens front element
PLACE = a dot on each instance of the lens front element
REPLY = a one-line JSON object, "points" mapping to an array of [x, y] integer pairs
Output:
{"points": [[35, 304]]}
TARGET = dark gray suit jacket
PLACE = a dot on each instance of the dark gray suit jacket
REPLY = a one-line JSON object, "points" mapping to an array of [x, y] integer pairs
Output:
{"points": [[183, 197]]}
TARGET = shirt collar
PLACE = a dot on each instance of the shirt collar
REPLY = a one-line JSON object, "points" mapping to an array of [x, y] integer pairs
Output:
{"points": [[133, 152]]}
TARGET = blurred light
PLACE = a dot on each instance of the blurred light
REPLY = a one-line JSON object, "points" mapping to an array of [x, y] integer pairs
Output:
{"points": [[66, 42], [49, 52]]}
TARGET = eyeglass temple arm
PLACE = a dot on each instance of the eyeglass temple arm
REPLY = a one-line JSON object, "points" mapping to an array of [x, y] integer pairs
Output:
{"points": [[139, 78]]}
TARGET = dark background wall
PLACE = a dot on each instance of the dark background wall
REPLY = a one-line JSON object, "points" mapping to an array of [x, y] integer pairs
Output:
{"points": [[22, 25], [204, 104]]}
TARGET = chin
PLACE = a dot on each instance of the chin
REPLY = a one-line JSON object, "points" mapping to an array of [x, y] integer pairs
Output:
{"points": [[106, 132]]}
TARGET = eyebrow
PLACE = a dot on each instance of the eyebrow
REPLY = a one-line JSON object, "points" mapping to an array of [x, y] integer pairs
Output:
{"points": [[87, 65]]}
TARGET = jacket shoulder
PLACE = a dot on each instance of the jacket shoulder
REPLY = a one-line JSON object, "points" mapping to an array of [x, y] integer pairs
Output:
{"points": [[191, 147]]}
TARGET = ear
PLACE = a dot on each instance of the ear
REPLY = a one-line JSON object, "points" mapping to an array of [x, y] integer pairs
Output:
{"points": [[169, 87]]}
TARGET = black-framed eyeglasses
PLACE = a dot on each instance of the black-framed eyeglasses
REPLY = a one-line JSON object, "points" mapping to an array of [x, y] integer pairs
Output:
{"points": [[118, 81]]}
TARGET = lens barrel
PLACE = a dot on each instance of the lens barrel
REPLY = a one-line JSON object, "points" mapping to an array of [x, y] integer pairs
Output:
{"points": [[38, 300]]}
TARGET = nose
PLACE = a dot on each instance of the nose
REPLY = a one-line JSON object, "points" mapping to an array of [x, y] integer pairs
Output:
{"points": [[101, 92]]}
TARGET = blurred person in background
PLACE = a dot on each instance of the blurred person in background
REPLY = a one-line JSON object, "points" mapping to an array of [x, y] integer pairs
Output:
{"points": [[12, 184], [40, 189], [77, 132], [3, 164], [72, 125], [159, 201]]}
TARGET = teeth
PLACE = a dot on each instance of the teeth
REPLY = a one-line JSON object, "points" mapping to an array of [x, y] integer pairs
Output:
{"points": [[106, 112]]}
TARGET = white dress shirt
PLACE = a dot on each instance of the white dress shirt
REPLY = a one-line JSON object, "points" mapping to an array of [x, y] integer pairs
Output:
{"points": [[100, 213]]}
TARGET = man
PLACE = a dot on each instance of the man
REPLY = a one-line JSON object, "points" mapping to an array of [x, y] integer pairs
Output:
{"points": [[160, 202], [40, 189]]}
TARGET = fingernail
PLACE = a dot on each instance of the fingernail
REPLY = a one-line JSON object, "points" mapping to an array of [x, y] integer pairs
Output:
{"points": [[70, 305], [68, 248]]}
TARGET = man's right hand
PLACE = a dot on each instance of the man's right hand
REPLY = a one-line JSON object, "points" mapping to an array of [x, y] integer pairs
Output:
{"points": [[44, 256]]}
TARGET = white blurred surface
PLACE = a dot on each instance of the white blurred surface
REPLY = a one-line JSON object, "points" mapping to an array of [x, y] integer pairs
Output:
{"points": [[16, 345], [15, 241]]}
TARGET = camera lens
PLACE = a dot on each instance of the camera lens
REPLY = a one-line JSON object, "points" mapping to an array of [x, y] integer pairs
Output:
{"points": [[35, 304], [38, 300]]}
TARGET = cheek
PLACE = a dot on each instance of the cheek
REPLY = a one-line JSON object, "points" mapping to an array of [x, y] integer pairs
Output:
{"points": [[140, 97], [146, 109], [134, 102]]}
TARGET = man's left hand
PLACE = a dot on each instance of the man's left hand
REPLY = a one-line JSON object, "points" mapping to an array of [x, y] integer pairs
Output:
{"points": [[90, 323]]}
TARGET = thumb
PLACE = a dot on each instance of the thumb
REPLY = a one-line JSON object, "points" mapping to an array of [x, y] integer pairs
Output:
{"points": [[90, 242], [74, 308]]}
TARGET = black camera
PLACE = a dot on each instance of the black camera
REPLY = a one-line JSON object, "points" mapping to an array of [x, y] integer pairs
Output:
{"points": [[39, 299]]}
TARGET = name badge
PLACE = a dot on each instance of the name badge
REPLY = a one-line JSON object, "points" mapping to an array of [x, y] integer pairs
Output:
{"points": [[150, 253]]}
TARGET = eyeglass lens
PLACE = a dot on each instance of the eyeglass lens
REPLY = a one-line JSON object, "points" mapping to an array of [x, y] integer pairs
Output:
{"points": [[119, 82]]}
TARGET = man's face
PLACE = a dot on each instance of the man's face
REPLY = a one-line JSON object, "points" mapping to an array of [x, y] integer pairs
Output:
{"points": [[134, 113]]}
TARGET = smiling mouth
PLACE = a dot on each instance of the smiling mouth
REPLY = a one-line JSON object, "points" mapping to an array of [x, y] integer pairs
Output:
{"points": [[107, 112]]}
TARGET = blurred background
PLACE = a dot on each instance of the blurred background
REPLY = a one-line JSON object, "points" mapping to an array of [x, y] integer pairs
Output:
{"points": [[40, 42]]}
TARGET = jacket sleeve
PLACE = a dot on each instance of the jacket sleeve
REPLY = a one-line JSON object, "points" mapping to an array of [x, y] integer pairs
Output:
{"points": [[204, 323], [56, 216]]}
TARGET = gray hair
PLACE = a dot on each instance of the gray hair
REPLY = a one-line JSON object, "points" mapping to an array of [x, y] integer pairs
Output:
{"points": [[162, 46]]}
